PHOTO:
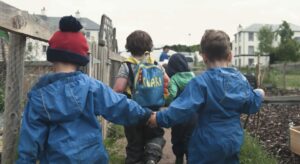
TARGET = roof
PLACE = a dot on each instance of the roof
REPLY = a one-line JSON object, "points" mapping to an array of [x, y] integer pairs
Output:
{"points": [[86, 22], [257, 27]]}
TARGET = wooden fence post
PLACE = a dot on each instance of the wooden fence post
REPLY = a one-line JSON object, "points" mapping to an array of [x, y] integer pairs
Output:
{"points": [[13, 96], [258, 71]]}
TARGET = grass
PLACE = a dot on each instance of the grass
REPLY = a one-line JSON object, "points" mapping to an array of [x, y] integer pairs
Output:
{"points": [[253, 153], [114, 149], [114, 144]]}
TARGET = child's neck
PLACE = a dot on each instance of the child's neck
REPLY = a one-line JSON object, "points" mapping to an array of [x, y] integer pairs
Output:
{"points": [[64, 68], [217, 64]]}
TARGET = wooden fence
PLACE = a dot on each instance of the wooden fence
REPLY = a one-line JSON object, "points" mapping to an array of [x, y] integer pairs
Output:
{"points": [[21, 24], [103, 66]]}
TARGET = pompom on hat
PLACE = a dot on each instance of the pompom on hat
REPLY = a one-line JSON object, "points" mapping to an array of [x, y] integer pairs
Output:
{"points": [[68, 45]]}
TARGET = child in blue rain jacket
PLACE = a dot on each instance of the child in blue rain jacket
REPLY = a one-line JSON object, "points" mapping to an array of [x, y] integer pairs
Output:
{"points": [[59, 123], [218, 97]]}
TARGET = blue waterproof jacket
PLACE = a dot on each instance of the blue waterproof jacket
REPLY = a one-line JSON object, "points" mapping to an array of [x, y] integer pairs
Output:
{"points": [[59, 123], [163, 56], [218, 97]]}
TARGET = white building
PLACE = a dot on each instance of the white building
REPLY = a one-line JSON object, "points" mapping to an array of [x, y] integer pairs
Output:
{"points": [[36, 50], [245, 44]]}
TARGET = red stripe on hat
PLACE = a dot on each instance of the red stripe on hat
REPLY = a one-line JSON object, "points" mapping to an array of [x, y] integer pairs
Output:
{"points": [[70, 41]]}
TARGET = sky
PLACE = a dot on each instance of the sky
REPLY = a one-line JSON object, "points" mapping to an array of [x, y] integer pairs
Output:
{"points": [[171, 21]]}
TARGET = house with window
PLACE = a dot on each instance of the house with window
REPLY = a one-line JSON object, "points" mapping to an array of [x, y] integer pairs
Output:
{"points": [[36, 50], [245, 44]]}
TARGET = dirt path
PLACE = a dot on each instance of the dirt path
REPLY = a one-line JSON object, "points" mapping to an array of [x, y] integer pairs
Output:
{"points": [[168, 156]]}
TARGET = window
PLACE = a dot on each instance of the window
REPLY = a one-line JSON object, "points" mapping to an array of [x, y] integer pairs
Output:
{"points": [[251, 36], [29, 46], [240, 62], [88, 34], [250, 61], [235, 50], [251, 50], [240, 50], [240, 37], [44, 48], [235, 62]]}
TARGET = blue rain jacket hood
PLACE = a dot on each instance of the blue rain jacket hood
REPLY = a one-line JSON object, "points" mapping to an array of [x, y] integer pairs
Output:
{"points": [[218, 97], [59, 123]]}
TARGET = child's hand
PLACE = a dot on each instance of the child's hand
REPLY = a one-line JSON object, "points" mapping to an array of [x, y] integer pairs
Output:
{"points": [[261, 91], [152, 120]]}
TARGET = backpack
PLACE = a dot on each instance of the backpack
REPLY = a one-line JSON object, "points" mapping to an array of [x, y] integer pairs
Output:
{"points": [[147, 87]]}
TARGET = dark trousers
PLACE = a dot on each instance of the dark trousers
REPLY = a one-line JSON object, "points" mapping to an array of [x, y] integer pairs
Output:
{"points": [[144, 143], [181, 134]]}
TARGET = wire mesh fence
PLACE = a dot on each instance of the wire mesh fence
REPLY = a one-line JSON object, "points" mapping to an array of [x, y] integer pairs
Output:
{"points": [[277, 76], [284, 76]]}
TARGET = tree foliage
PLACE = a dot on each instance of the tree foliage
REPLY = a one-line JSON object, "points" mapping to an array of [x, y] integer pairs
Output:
{"points": [[185, 48], [265, 36], [288, 49], [4, 35], [285, 32]]}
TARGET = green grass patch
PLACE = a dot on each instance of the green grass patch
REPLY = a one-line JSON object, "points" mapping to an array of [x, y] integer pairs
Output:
{"points": [[253, 153], [113, 150], [115, 145]]}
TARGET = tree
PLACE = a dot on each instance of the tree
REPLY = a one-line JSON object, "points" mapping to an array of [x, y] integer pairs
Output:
{"points": [[265, 36], [288, 49], [185, 48], [285, 32]]}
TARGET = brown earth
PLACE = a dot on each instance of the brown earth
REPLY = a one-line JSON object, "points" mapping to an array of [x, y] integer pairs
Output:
{"points": [[271, 127], [168, 156]]}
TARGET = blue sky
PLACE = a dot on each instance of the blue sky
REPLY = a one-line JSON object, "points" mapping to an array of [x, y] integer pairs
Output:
{"points": [[171, 21]]}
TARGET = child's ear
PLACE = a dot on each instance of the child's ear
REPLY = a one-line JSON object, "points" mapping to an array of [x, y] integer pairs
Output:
{"points": [[229, 58], [204, 58]]}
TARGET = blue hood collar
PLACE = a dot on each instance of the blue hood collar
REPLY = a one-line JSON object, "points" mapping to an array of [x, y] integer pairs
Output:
{"points": [[53, 77]]}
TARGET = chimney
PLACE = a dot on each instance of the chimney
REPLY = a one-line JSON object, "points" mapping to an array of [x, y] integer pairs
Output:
{"points": [[240, 27], [77, 14], [43, 11]]}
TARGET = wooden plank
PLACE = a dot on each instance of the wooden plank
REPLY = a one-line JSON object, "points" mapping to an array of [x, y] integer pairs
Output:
{"points": [[13, 96], [282, 100], [295, 140], [116, 57], [21, 22]]}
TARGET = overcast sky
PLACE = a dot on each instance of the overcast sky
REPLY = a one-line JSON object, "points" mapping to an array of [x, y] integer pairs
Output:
{"points": [[171, 21]]}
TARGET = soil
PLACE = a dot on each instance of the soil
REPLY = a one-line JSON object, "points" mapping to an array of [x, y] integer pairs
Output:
{"points": [[168, 156], [271, 127]]}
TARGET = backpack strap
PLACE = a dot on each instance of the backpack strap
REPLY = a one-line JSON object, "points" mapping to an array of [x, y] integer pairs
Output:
{"points": [[130, 75]]}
